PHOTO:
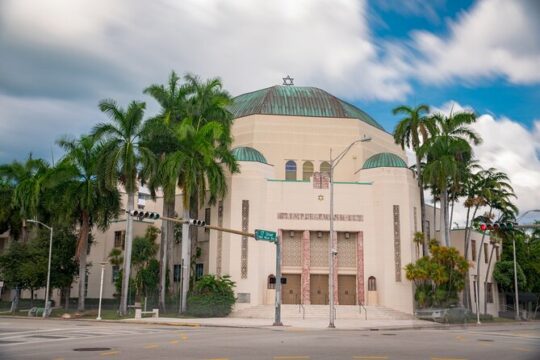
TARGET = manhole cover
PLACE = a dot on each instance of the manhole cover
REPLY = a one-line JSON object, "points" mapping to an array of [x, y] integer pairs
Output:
{"points": [[8, 342], [92, 349], [48, 336], [486, 340]]}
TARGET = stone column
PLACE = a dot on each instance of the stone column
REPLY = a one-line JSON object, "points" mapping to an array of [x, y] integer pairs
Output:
{"points": [[360, 295], [336, 287], [306, 265]]}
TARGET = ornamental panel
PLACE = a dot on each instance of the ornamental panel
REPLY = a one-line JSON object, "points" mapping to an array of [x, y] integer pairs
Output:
{"points": [[346, 249], [319, 249], [292, 249]]}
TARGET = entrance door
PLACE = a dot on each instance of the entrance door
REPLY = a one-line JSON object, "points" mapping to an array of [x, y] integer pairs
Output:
{"points": [[290, 292], [318, 289], [347, 289]]}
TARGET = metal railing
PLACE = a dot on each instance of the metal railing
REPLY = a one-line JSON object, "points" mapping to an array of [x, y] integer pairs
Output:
{"points": [[360, 306], [302, 309]]}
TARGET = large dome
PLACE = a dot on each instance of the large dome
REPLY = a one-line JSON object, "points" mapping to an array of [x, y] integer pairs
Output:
{"points": [[384, 160], [297, 101]]}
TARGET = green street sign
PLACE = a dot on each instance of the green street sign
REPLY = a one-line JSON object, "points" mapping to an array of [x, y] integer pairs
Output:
{"points": [[265, 235]]}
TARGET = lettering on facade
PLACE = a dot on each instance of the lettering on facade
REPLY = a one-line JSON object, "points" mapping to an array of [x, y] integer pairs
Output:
{"points": [[311, 216], [397, 243], [245, 226]]}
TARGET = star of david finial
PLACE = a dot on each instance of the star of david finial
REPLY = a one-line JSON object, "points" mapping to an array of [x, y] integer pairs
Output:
{"points": [[288, 81]]}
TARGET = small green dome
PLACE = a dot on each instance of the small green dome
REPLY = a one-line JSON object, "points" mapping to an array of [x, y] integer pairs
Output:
{"points": [[384, 160], [245, 153]]}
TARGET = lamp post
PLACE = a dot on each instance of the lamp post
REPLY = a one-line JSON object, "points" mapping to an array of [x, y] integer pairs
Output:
{"points": [[515, 263], [331, 251], [45, 311], [103, 263]]}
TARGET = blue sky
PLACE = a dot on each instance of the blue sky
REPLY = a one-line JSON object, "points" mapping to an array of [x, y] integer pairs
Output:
{"points": [[59, 58]]}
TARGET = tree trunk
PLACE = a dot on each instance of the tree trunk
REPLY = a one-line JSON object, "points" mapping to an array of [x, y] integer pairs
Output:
{"points": [[422, 207], [434, 215], [468, 232], [166, 235], [446, 224], [452, 212], [67, 293], [15, 299], [82, 248], [127, 256], [186, 247], [486, 279]]}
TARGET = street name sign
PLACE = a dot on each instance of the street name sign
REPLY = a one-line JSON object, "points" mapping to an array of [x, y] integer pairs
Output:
{"points": [[265, 235]]}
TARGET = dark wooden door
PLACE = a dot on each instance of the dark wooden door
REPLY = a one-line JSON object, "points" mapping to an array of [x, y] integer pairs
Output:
{"points": [[290, 292], [347, 289], [319, 289]]}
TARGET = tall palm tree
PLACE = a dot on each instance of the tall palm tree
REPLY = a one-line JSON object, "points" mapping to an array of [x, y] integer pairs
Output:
{"points": [[27, 181], [86, 201], [411, 131], [122, 156], [160, 138], [445, 153]]}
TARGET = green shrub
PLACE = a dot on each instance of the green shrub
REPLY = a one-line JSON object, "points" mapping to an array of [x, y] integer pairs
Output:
{"points": [[212, 296]]}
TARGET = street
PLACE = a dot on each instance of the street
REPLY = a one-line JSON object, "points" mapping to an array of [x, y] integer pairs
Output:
{"points": [[54, 339]]}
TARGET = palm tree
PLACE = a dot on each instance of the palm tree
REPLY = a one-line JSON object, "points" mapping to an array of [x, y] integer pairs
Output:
{"points": [[445, 153], [120, 160], [411, 131], [161, 140], [27, 181], [86, 202]]}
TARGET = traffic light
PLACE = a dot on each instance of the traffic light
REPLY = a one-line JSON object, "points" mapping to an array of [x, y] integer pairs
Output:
{"points": [[144, 214], [197, 222], [502, 226]]}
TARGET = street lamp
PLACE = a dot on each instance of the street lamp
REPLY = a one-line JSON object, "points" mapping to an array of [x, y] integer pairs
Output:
{"points": [[45, 311], [515, 263], [331, 250], [103, 263]]}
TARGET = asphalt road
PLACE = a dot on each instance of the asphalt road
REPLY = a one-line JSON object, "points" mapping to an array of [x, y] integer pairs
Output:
{"points": [[54, 339]]}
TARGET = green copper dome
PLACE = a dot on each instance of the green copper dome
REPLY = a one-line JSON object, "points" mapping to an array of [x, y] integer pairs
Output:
{"points": [[296, 101], [384, 160], [244, 153]]}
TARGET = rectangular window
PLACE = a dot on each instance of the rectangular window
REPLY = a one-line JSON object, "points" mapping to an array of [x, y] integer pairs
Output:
{"points": [[199, 271], [115, 273], [119, 239], [486, 253], [177, 273], [207, 218], [473, 249], [474, 290], [489, 292]]}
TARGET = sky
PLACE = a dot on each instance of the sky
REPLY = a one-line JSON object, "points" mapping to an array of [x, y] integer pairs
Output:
{"points": [[59, 58]]}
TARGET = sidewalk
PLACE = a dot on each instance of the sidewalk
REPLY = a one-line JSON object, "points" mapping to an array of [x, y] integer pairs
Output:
{"points": [[298, 324]]}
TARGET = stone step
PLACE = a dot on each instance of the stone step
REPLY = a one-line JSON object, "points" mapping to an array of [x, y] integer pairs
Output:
{"points": [[321, 312]]}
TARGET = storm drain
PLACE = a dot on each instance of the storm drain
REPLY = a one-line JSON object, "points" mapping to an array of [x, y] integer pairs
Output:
{"points": [[92, 349]]}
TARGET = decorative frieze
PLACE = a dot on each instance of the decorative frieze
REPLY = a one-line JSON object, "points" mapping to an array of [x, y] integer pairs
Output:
{"points": [[245, 228], [311, 216], [397, 243]]}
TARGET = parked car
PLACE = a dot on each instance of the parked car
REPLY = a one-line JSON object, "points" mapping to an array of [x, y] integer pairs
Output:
{"points": [[445, 315]]}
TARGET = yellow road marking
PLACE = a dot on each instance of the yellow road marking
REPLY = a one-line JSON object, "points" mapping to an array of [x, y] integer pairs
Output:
{"points": [[369, 357], [522, 349], [291, 357], [151, 346], [109, 353]]}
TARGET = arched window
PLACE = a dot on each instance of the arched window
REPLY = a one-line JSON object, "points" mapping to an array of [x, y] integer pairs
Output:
{"points": [[271, 283], [307, 170], [372, 283], [325, 168], [290, 170]]}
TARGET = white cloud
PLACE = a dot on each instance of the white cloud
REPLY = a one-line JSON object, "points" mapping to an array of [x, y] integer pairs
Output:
{"points": [[495, 38]]}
